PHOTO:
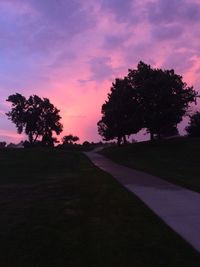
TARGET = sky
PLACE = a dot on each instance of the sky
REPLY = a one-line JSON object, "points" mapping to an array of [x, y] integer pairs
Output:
{"points": [[71, 51]]}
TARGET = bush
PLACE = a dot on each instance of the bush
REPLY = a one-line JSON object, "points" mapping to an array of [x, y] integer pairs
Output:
{"points": [[2, 145], [193, 129]]}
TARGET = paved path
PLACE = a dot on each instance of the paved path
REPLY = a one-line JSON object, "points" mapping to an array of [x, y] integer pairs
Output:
{"points": [[177, 206]]}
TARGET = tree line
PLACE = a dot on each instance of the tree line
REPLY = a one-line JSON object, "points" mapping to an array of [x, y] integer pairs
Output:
{"points": [[150, 98]]}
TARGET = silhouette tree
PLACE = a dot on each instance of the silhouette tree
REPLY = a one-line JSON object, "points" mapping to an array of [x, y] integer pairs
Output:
{"points": [[193, 129], [2, 145], [70, 139], [49, 140], [121, 114], [36, 117], [86, 143], [163, 97], [169, 131]]}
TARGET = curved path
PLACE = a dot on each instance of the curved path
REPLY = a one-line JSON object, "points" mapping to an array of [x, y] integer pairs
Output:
{"points": [[176, 206]]}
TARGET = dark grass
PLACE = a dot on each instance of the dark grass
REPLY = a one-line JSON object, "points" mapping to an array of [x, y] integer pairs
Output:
{"points": [[176, 160], [57, 209]]}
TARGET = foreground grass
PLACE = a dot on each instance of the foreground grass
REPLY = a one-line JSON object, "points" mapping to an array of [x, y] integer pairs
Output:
{"points": [[176, 160], [57, 209]]}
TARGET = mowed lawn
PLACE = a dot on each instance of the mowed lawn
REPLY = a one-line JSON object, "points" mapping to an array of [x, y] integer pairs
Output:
{"points": [[176, 160], [57, 209]]}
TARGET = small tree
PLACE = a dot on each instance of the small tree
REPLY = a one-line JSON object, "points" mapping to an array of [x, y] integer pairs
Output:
{"points": [[70, 139], [2, 145], [36, 117], [193, 129]]}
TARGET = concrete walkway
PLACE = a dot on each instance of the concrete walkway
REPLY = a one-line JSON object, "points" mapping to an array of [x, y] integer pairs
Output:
{"points": [[176, 206]]}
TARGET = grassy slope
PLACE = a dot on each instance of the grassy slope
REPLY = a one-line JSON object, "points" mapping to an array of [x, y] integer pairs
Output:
{"points": [[176, 160], [57, 209]]}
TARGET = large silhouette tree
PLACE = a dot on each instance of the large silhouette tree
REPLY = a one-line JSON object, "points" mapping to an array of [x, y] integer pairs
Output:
{"points": [[120, 113], [163, 97], [37, 117]]}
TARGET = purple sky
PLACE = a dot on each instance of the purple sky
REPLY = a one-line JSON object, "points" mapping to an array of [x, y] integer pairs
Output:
{"points": [[71, 50]]}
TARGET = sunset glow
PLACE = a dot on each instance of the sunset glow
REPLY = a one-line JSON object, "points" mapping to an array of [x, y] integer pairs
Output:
{"points": [[70, 51]]}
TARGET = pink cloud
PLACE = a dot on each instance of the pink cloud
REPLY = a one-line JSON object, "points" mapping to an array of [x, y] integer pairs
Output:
{"points": [[71, 51]]}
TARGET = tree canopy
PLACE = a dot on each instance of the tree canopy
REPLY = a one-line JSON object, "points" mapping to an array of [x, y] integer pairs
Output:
{"points": [[163, 96], [70, 139], [37, 117], [149, 98], [120, 112], [193, 129], [2, 145]]}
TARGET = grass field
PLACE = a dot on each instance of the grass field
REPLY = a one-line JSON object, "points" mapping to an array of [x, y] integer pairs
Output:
{"points": [[176, 160], [57, 209]]}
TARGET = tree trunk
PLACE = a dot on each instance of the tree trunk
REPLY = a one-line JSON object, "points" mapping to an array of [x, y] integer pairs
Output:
{"points": [[159, 136], [35, 138], [119, 140], [124, 139], [30, 137], [151, 136]]}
